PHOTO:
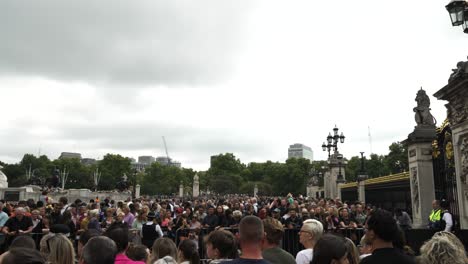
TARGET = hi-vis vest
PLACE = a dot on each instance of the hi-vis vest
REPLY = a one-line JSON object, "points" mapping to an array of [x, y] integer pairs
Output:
{"points": [[434, 219]]}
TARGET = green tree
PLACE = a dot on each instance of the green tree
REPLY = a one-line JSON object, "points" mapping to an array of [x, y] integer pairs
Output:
{"points": [[112, 168], [375, 166], [162, 179], [224, 175], [353, 168], [79, 176], [16, 175], [263, 188], [397, 159]]}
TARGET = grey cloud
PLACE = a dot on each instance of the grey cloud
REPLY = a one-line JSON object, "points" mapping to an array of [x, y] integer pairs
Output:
{"points": [[191, 146], [121, 42]]}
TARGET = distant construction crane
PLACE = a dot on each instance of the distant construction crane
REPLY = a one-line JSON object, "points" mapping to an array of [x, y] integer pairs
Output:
{"points": [[167, 153]]}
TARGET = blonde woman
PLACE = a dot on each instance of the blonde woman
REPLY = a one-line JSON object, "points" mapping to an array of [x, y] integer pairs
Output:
{"points": [[443, 249], [57, 249], [164, 251], [109, 218]]}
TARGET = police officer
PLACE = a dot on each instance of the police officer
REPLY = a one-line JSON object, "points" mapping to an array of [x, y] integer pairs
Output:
{"points": [[436, 216]]}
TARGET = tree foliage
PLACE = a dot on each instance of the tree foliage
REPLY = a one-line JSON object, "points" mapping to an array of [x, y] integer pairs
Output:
{"points": [[227, 174], [112, 168]]}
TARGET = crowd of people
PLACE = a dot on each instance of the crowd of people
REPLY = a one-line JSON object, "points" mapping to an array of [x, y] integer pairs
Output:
{"points": [[236, 228]]}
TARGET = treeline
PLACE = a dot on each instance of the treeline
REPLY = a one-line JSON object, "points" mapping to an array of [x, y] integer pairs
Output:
{"points": [[227, 174]]}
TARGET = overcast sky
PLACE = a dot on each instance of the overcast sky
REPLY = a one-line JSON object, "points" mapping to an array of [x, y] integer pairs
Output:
{"points": [[248, 77]]}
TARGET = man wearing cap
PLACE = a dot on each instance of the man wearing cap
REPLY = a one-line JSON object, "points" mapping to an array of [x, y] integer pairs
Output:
{"points": [[150, 231], [276, 214]]}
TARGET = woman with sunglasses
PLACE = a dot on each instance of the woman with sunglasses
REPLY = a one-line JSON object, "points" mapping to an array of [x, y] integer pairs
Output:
{"points": [[310, 233]]}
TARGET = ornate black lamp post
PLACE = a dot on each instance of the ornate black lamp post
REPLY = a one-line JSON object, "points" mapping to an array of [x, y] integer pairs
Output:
{"points": [[332, 141], [458, 10], [362, 174]]}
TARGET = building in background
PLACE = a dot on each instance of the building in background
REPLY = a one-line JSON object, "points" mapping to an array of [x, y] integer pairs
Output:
{"points": [[139, 166], [300, 151], [168, 161], [88, 161], [70, 155], [146, 160]]}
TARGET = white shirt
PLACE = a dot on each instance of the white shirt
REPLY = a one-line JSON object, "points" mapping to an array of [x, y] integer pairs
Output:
{"points": [[448, 221], [65, 207], [364, 255], [304, 256]]}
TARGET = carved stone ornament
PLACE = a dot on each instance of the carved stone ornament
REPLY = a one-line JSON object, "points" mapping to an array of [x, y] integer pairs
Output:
{"points": [[457, 109], [423, 116], [314, 181], [464, 160], [459, 72], [415, 183]]}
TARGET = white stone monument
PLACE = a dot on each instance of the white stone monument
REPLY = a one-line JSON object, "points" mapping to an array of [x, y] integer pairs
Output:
{"points": [[137, 191], [196, 186], [181, 190], [3, 179], [255, 190]]}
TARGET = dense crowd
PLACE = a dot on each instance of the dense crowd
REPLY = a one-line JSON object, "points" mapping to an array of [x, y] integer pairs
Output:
{"points": [[156, 230]]}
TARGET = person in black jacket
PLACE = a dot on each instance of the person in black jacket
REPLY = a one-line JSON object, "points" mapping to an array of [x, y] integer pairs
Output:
{"points": [[382, 231], [211, 220], [150, 231]]}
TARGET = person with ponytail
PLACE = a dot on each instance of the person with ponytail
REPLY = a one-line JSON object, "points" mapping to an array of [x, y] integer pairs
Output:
{"points": [[188, 252]]}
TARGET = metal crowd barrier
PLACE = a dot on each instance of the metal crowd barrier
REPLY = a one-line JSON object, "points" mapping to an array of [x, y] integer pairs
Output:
{"points": [[290, 241]]}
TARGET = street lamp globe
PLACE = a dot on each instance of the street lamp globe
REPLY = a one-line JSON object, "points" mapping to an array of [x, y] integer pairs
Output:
{"points": [[456, 9], [465, 23], [342, 137], [329, 138], [324, 147]]}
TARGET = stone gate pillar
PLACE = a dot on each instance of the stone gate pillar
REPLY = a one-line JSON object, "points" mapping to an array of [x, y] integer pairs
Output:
{"points": [[361, 188], [181, 190], [421, 179], [337, 166], [456, 93], [420, 161], [326, 184]]}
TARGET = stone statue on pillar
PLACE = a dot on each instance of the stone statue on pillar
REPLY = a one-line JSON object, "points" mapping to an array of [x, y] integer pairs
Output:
{"points": [[255, 190], [196, 186], [422, 111]]}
